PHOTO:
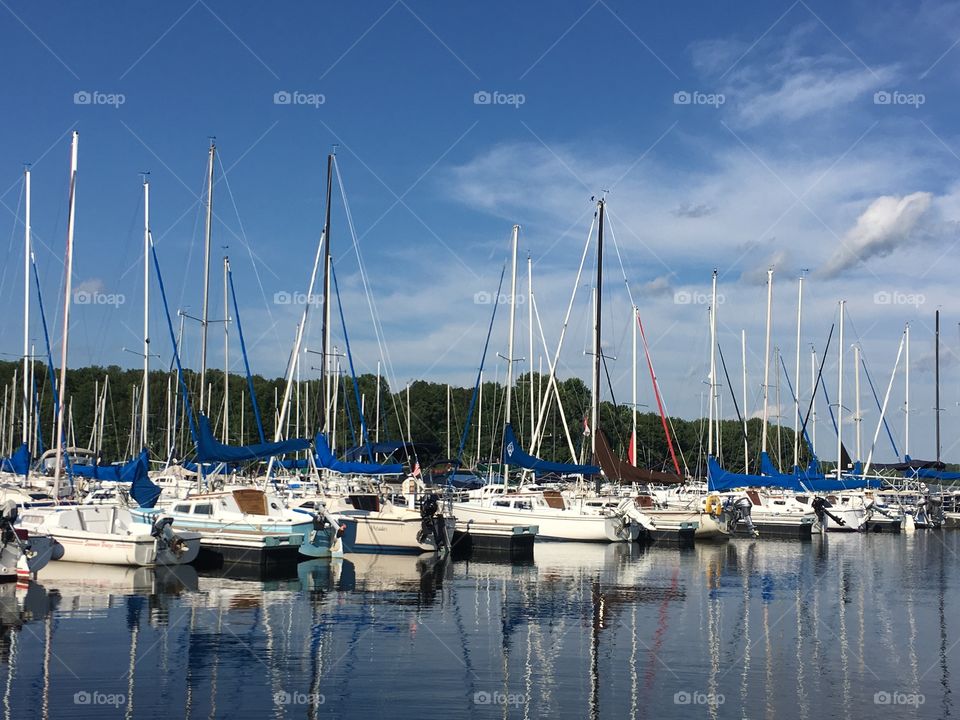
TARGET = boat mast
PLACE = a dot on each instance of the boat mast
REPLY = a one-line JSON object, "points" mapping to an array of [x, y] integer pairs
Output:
{"points": [[325, 343], [743, 362], [840, 395], [713, 360], [206, 274], [513, 311], [633, 412], [856, 397], [479, 418], [766, 362], [226, 349], [26, 304], [145, 407], [796, 378], [58, 466], [906, 401], [597, 349], [813, 399], [533, 421], [376, 431], [936, 368]]}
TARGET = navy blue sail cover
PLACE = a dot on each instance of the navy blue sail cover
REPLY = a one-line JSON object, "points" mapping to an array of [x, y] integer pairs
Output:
{"points": [[326, 460], [209, 449], [514, 455], [118, 472], [18, 463]]}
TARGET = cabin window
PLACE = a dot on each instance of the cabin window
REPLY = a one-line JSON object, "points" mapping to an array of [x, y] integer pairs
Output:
{"points": [[501, 503], [522, 505], [182, 508], [206, 509]]}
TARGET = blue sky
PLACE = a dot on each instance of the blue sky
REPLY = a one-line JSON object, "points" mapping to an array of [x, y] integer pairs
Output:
{"points": [[737, 136]]}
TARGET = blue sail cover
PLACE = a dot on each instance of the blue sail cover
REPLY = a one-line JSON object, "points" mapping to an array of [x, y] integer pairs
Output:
{"points": [[326, 460], [209, 449], [120, 472], [514, 455], [930, 474], [18, 463], [809, 480], [142, 488]]}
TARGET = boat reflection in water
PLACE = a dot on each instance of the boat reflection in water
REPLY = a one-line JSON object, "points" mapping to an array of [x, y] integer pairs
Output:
{"points": [[752, 628]]}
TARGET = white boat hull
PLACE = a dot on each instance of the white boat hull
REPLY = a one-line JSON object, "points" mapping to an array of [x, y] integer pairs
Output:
{"points": [[553, 526]]}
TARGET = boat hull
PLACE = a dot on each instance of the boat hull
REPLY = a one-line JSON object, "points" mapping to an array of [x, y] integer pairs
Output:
{"points": [[571, 528], [371, 533]]}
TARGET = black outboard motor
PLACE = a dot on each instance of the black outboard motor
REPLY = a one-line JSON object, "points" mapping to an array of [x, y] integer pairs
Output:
{"points": [[743, 508], [432, 524], [821, 508], [162, 530], [8, 516]]}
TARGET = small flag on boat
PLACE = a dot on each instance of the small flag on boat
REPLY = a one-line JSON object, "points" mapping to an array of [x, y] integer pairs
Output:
{"points": [[416, 469], [586, 427]]}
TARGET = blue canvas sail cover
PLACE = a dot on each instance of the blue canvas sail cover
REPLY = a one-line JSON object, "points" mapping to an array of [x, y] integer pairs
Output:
{"points": [[120, 472], [209, 449], [720, 480], [514, 455], [18, 463], [142, 488], [326, 460]]}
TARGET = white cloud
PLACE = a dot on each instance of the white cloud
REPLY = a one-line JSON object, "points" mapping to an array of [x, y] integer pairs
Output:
{"points": [[888, 223]]}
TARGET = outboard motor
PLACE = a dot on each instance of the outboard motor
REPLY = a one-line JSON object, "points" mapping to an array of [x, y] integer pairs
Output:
{"points": [[742, 509], [162, 530], [821, 506], [9, 513], [431, 522]]}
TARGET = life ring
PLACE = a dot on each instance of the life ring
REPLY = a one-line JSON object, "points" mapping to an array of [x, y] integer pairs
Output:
{"points": [[713, 505]]}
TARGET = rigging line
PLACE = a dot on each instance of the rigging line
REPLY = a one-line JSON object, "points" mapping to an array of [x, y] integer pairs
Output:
{"points": [[483, 358], [876, 398], [371, 303], [242, 237], [547, 398]]}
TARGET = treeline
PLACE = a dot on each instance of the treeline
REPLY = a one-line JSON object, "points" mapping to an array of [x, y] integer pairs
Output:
{"points": [[433, 415]]}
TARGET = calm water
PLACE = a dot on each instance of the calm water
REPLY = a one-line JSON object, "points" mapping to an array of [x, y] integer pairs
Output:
{"points": [[844, 626]]}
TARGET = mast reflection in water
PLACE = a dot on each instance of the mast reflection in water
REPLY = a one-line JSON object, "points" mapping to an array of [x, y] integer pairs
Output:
{"points": [[849, 625]]}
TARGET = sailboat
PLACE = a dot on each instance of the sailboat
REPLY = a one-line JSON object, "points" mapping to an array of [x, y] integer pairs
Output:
{"points": [[556, 517]]}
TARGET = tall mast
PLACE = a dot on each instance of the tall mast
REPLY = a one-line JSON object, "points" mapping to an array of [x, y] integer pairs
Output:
{"points": [[813, 399], [513, 311], [633, 382], [479, 417], [533, 420], [856, 397], [376, 431], [743, 362], [766, 362], [325, 342], [58, 467], [713, 360], [936, 367], [796, 378], [226, 349], [206, 274], [26, 303], [597, 334], [906, 401], [840, 396], [145, 406]]}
